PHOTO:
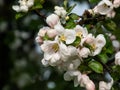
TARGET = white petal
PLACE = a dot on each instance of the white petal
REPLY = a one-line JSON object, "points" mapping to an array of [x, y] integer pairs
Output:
{"points": [[16, 8], [59, 28], [44, 62], [100, 40], [70, 36]]}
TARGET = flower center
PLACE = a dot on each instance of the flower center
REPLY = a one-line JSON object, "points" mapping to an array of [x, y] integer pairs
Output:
{"points": [[79, 34], [55, 47], [62, 38]]}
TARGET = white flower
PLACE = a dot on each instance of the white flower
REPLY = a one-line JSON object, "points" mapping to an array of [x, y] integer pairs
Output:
{"points": [[80, 31], [52, 20], [116, 44], [105, 86], [54, 51], [84, 52], [43, 31], [51, 54], [68, 36], [89, 39], [116, 3], [60, 11], [59, 28], [23, 6], [30, 3], [104, 7], [87, 83], [99, 44], [73, 75], [45, 62], [117, 58], [111, 14], [96, 43], [16, 8], [51, 33], [39, 40]]}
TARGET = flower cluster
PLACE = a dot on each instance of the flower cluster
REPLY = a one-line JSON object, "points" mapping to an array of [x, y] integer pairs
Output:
{"points": [[67, 48], [23, 6], [106, 7]]}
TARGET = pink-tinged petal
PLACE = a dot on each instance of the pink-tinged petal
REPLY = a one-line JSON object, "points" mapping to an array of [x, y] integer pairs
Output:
{"points": [[52, 20]]}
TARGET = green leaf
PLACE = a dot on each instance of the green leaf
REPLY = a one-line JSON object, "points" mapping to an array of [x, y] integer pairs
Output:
{"points": [[19, 15], [37, 6], [116, 72], [76, 42], [74, 16], [96, 66], [65, 4], [94, 1], [70, 24], [103, 58], [71, 8]]}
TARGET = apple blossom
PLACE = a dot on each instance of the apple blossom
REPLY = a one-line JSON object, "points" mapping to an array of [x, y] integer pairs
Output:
{"points": [[116, 3], [60, 11], [117, 58], [116, 45], [84, 52], [73, 75], [59, 28], [24, 5], [42, 32], [39, 40], [86, 82], [68, 36], [80, 31], [105, 86], [51, 33], [52, 20], [104, 7]]}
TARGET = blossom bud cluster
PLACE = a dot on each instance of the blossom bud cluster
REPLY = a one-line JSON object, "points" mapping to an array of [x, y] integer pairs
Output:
{"points": [[23, 6], [106, 7], [67, 48]]}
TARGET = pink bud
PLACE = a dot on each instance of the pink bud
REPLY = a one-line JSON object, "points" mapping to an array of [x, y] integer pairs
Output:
{"points": [[43, 31], [90, 85], [52, 20], [39, 40], [51, 33], [116, 3]]}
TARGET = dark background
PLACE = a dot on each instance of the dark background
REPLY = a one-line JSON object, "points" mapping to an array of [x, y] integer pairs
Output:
{"points": [[20, 58]]}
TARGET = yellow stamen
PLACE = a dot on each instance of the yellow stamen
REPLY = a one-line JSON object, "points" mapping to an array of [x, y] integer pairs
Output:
{"points": [[93, 46], [79, 34], [55, 47], [62, 38], [67, 18]]}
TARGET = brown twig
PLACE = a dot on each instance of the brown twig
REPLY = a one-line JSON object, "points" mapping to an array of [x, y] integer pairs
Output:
{"points": [[40, 14]]}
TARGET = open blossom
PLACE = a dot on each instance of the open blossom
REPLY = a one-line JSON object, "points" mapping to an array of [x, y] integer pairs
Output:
{"points": [[52, 20], [104, 7], [68, 36], [50, 49], [80, 31], [105, 86], [23, 6], [117, 58], [96, 43]]}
